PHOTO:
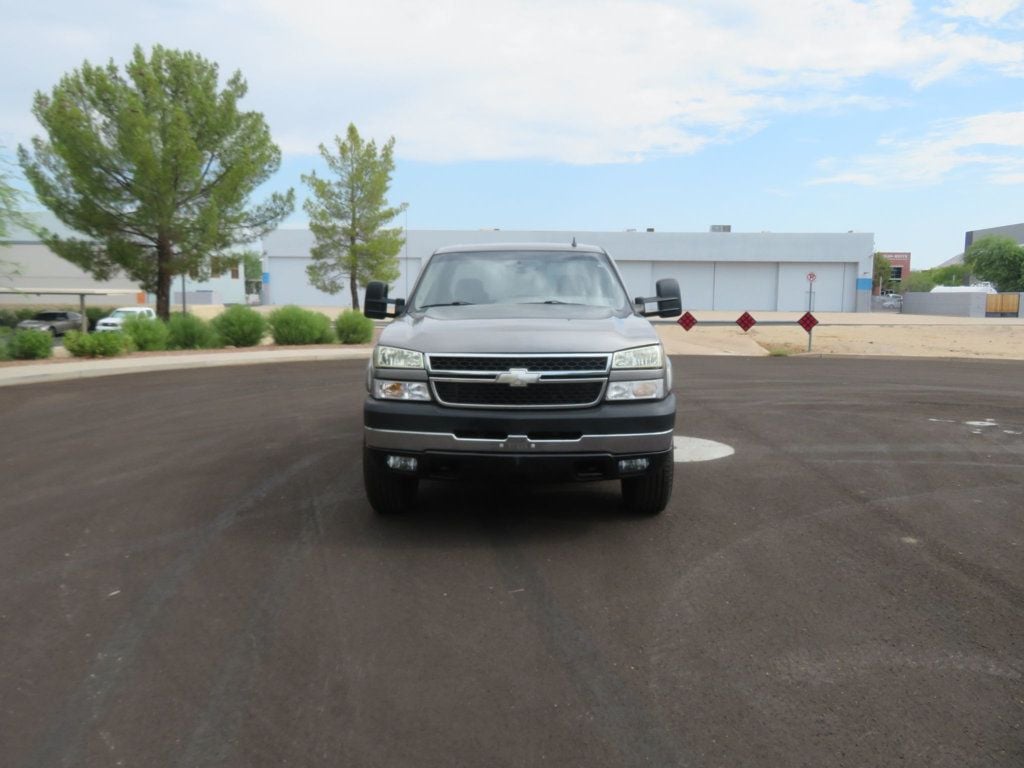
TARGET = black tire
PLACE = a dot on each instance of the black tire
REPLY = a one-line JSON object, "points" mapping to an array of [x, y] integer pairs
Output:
{"points": [[649, 494], [388, 492]]}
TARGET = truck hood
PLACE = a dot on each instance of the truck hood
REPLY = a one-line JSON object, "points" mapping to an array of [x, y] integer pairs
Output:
{"points": [[518, 328]]}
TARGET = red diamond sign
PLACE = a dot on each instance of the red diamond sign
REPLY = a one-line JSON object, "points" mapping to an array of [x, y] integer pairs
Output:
{"points": [[746, 321], [808, 321], [687, 321]]}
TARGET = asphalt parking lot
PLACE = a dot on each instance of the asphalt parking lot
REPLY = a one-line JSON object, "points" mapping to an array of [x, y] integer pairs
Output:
{"points": [[190, 576]]}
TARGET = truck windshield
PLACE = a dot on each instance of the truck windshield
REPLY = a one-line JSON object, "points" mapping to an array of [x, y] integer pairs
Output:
{"points": [[519, 277]]}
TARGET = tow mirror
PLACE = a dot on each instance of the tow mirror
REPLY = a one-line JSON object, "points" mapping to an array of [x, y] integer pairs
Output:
{"points": [[375, 304], [669, 299]]}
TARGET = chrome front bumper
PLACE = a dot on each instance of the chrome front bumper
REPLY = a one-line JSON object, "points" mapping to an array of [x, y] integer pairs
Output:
{"points": [[399, 440]]}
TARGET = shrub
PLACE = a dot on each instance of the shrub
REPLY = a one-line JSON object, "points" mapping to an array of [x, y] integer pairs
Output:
{"points": [[8, 318], [109, 344], [147, 334], [95, 344], [31, 345], [95, 314], [240, 326], [190, 332], [79, 344], [353, 327], [295, 325], [5, 339]]}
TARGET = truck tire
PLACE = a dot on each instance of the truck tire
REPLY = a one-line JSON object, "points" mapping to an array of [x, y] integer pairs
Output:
{"points": [[389, 492], [649, 494]]}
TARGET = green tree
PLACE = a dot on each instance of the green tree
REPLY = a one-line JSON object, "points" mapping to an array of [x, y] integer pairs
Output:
{"points": [[347, 216], [954, 274], [10, 216], [918, 282], [154, 167], [999, 260], [882, 272]]}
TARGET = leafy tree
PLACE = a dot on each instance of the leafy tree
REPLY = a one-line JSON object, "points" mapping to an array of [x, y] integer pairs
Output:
{"points": [[252, 266], [918, 282], [954, 274], [347, 217], [999, 260], [882, 272], [154, 166], [10, 216]]}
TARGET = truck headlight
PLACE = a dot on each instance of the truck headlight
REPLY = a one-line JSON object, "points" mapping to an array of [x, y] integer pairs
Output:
{"points": [[395, 357], [400, 390], [639, 357], [646, 389]]}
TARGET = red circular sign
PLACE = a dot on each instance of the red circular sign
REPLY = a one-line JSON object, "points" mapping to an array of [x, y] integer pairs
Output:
{"points": [[811, 277]]}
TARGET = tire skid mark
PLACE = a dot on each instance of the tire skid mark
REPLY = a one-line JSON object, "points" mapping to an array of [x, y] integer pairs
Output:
{"points": [[851, 496], [216, 729], [623, 715], [64, 738]]}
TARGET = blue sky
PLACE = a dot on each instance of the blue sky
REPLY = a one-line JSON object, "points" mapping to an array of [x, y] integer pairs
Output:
{"points": [[899, 118]]}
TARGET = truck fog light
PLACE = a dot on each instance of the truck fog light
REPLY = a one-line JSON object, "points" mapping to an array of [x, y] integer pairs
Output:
{"points": [[646, 389], [400, 390], [403, 463], [633, 465]]}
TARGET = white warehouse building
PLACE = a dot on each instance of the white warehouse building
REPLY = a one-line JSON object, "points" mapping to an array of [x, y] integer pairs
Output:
{"points": [[716, 270]]}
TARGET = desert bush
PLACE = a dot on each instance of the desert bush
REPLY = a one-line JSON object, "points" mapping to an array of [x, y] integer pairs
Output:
{"points": [[190, 332], [110, 344], [105, 344], [240, 326], [147, 334], [5, 339], [353, 327], [79, 344], [295, 325], [30, 345], [95, 314]]}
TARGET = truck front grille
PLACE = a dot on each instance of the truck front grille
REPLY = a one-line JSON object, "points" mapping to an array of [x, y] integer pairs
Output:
{"points": [[532, 363], [555, 394]]}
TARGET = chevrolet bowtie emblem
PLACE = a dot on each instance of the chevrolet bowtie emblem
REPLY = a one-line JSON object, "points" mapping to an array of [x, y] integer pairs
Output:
{"points": [[517, 377]]}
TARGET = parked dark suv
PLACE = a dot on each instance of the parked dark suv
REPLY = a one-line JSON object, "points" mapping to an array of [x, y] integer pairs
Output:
{"points": [[519, 360]]}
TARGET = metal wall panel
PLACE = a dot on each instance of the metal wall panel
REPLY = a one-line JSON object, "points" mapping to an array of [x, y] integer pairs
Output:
{"points": [[746, 286], [834, 288]]}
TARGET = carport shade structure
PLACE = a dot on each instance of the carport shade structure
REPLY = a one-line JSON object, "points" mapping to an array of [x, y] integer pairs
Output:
{"points": [[81, 293]]}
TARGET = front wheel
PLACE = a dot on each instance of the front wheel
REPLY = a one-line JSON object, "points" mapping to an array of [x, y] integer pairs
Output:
{"points": [[649, 494], [388, 492]]}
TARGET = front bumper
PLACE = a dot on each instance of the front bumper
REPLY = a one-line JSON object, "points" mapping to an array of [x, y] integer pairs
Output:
{"points": [[582, 444]]}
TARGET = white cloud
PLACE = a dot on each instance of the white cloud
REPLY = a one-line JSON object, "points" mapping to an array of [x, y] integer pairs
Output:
{"points": [[989, 11], [993, 142], [562, 80]]}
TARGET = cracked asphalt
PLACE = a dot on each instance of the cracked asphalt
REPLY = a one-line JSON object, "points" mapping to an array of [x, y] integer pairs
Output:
{"points": [[190, 576]]}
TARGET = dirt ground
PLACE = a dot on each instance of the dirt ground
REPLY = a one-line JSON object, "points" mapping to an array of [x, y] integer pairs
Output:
{"points": [[854, 334]]}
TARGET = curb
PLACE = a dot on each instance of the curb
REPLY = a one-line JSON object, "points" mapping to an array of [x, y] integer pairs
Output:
{"points": [[89, 369]]}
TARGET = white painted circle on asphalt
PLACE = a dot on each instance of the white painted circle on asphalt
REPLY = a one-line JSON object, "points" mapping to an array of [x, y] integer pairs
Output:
{"points": [[697, 449]]}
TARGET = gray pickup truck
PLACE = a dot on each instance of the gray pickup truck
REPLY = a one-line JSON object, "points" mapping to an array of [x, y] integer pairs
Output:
{"points": [[519, 360]]}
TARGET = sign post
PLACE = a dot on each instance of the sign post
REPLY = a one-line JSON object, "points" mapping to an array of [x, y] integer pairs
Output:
{"points": [[811, 277]]}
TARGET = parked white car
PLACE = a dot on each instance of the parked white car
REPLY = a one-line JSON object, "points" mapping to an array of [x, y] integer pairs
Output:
{"points": [[115, 320]]}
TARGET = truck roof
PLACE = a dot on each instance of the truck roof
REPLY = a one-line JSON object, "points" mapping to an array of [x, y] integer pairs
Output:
{"points": [[480, 247]]}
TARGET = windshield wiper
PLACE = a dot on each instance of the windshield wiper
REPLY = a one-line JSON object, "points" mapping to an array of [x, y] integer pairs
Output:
{"points": [[447, 304], [555, 301]]}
